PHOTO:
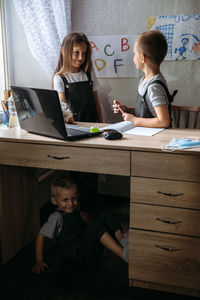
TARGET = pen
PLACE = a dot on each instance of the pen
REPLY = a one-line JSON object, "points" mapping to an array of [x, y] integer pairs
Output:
{"points": [[120, 109]]}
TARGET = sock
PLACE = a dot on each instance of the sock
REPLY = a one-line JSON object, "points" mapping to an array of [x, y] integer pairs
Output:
{"points": [[126, 254], [124, 242]]}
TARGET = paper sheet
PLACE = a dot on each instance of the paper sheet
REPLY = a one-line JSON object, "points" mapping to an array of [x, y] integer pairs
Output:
{"points": [[144, 131], [120, 126]]}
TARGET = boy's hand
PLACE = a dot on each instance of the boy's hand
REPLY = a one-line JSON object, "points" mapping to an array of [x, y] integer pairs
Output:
{"points": [[39, 267], [86, 217], [129, 117]]}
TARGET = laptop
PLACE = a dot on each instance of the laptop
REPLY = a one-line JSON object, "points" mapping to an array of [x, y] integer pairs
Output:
{"points": [[39, 112]]}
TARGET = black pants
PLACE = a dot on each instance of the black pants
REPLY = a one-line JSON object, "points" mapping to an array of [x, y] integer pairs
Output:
{"points": [[88, 248]]}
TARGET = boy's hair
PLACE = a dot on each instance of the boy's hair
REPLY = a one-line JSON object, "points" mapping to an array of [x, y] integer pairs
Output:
{"points": [[153, 44], [65, 61], [63, 182]]}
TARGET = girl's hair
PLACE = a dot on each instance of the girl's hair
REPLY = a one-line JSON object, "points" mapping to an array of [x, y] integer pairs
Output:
{"points": [[65, 57], [153, 44], [63, 182]]}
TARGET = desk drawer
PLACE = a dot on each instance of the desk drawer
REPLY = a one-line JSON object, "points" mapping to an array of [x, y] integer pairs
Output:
{"points": [[166, 166], [165, 192], [95, 160], [165, 259], [165, 219]]}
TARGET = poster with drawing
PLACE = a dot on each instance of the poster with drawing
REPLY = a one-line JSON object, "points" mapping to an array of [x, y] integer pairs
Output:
{"points": [[112, 56], [182, 33]]}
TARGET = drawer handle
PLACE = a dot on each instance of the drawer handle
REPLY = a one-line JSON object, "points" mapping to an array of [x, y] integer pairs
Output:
{"points": [[168, 220], [59, 157], [170, 194], [168, 248]]}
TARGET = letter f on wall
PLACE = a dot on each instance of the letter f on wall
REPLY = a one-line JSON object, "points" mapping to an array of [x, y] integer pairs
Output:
{"points": [[115, 64]]}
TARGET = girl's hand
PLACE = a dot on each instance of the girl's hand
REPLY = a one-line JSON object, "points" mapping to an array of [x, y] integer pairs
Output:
{"points": [[70, 120], [39, 267], [118, 107]]}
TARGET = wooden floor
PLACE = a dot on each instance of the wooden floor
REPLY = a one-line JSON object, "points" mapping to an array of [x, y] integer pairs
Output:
{"points": [[106, 280]]}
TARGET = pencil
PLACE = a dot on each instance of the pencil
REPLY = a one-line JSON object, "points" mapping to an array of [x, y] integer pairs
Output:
{"points": [[120, 109]]}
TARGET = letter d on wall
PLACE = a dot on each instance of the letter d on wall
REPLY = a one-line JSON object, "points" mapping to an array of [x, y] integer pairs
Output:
{"points": [[101, 61]]}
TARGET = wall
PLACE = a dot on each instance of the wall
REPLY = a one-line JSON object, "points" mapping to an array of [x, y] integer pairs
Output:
{"points": [[108, 17]]}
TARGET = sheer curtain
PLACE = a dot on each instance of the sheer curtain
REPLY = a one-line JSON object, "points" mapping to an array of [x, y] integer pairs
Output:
{"points": [[46, 22]]}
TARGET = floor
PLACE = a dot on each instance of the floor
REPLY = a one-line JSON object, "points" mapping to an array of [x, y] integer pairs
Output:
{"points": [[106, 280]]}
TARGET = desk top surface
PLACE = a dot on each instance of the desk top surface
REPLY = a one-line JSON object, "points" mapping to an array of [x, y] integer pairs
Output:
{"points": [[128, 142]]}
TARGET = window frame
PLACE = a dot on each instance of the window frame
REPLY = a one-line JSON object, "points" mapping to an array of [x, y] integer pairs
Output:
{"points": [[3, 53]]}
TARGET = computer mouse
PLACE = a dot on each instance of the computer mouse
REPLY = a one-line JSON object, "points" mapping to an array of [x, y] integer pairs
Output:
{"points": [[113, 135]]}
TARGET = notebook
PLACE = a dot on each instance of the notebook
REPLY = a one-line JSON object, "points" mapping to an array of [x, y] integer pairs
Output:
{"points": [[39, 112]]}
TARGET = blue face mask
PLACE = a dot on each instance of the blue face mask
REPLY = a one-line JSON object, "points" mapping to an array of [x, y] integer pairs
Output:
{"points": [[183, 143]]}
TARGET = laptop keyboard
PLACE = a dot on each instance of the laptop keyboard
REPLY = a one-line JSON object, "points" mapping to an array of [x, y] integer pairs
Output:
{"points": [[76, 130]]}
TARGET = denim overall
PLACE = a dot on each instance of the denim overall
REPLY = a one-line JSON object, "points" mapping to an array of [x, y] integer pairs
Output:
{"points": [[80, 241], [81, 100], [142, 110], [68, 240]]}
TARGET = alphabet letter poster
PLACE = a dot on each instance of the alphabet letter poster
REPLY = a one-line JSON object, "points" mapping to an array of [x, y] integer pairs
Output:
{"points": [[112, 56]]}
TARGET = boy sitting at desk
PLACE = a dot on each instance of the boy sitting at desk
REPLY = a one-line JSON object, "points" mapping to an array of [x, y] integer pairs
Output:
{"points": [[79, 241], [153, 98]]}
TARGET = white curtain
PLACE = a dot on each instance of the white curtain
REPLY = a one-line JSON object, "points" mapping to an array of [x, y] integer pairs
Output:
{"points": [[46, 22]]}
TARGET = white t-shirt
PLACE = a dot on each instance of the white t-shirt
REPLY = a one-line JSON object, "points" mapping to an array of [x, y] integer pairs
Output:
{"points": [[74, 77], [52, 228]]}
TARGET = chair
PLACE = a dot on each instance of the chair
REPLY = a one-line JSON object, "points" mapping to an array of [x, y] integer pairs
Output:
{"points": [[185, 116]]}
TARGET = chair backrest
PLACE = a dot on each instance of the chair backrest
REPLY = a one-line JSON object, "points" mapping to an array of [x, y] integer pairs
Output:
{"points": [[185, 116]]}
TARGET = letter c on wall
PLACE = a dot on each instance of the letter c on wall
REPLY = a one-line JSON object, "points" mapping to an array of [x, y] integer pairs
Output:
{"points": [[105, 51]]}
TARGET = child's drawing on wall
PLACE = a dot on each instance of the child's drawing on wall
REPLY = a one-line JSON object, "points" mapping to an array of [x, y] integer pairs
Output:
{"points": [[188, 41], [182, 34], [196, 48], [183, 49]]}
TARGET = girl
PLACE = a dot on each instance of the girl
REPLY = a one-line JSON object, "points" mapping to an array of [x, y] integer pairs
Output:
{"points": [[76, 84], [75, 80]]}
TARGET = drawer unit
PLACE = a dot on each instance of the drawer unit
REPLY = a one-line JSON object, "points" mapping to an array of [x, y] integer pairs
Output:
{"points": [[165, 192], [165, 219], [66, 158], [164, 222], [165, 259], [166, 166]]}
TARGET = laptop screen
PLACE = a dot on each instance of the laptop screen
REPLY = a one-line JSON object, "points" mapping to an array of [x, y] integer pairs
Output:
{"points": [[39, 111]]}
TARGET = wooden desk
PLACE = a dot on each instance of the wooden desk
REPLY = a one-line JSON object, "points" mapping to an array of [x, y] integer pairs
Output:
{"points": [[164, 199]]}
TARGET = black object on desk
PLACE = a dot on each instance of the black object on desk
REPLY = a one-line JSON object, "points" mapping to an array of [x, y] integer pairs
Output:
{"points": [[113, 135]]}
